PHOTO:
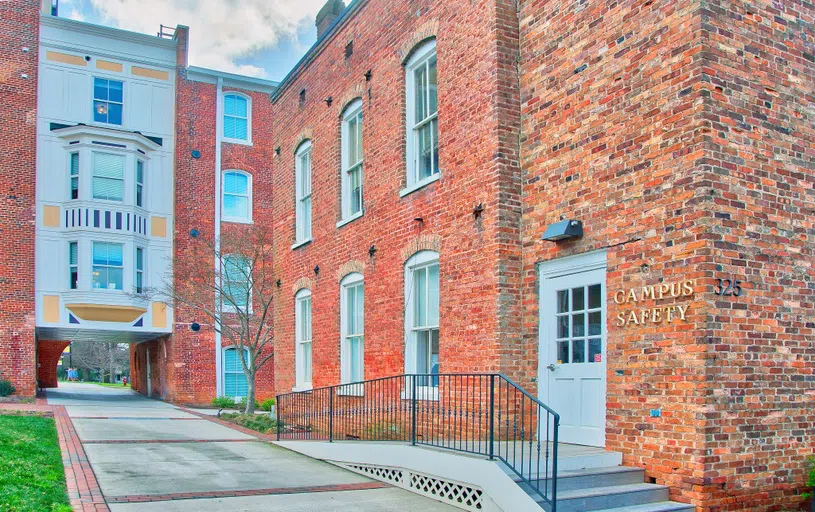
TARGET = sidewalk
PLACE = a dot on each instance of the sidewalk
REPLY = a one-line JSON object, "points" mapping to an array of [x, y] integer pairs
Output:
{"points": [[148, 456]]}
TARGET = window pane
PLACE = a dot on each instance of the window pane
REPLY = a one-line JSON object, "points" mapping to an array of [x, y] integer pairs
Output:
{"points": [[435, 133], [100, 111], [578, 351], [359, 137], [100, 89], [307, 362], [355, 359], [114, 278], [230, 384], [359, 309], [562, 352], [230, 129], [351, 305], [431, 87], [562, 301], [433, 295], [235, 183], [356, 190], [420, 297], [595, 323], [578, 325], [307, 218], [563, 326], [115, 91], [73, 252], [595, 297], [425, 151], [578, 299], [139, 259], [114, 113], [353, 144], [420, 83], [595, 351], [422, 349], [241, 130], [236, 206], [74, 164]]}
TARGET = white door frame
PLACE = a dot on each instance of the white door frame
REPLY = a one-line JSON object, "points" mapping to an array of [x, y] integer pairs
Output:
{"points": [[596, 260]]}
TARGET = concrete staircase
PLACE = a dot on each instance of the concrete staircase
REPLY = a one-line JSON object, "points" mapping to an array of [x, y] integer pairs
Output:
{"points": [[608, 489]]}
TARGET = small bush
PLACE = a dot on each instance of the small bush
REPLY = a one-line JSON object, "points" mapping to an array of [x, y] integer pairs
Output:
{"points": [[810, 483], [243, 401], [224, 402], [6, 388], [267, 404], [258, 422]]}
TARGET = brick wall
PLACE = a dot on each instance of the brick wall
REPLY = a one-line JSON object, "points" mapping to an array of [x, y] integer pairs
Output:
{"points": [[19, 29], [759, 77], [478, 158], [682, 137], [48, 354]]}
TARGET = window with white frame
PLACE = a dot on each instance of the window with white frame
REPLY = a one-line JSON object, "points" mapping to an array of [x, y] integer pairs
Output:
{"points": [[236, 283], [108, 176], [73, 265], [352, 160], [302, 174], [352, 327], [139, 270], [108, 265], [74, 175], [108, 101], [422, 116], [235, 385], [422, 316], [237, 118], [302, 323], [140, 183], [237, 196]]}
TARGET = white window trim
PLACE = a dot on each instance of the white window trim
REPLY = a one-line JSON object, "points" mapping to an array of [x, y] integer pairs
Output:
{"points": [[304, 148], [419, 57], [223, 371], [238, 220], [225, 306], [348, 281], [353, 110], [300, 384], [419, 260], [248, 141], [93, 99]]}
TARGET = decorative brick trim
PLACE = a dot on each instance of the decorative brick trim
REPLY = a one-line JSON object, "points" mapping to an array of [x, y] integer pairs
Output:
{"points": [[350, 267], [427, 30], [169, 441], [421, 243], [306, 134], [355, 92], [304, 282], [146, 498]]}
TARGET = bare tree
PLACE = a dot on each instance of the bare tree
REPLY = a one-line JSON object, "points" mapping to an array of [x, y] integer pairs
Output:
{"points": [[232, 286], [105, 358]]}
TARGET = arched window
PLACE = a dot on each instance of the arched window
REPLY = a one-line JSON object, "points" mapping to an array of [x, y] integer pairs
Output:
{"points": [[234, 378], [352, 328], [352, 161], [237, 196], [302, 324], [422, 117], [237, 118], [422, 316], [302, 176]]}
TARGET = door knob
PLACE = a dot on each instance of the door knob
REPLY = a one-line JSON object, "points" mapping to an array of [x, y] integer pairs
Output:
{"points": [[551, 367]]}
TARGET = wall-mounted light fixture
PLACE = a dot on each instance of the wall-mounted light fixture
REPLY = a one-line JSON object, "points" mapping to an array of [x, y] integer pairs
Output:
{"points": [[194, 233], [278, 283], [478, 210], [277, 151], [368, 75], [196, 153], [195, 327], [564, 230], [317, 270], [371, 251], [329, 101]]}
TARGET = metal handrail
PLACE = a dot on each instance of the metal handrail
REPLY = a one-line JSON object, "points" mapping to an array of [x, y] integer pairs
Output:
{"points": [[480, 413]]}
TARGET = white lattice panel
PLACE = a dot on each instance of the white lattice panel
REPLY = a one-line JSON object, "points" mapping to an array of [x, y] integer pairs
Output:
{"points": [[459, 495]]}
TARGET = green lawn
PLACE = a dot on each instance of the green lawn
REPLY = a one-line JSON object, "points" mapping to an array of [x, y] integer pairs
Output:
{"points": [[109, 385], [31, 474]]}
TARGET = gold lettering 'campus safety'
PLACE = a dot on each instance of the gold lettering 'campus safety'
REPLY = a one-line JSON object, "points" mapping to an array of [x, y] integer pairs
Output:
{"points": [[655, 314]]}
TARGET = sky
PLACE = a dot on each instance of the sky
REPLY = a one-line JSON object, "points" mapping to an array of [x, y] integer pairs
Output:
{"points": [[261, 38]]}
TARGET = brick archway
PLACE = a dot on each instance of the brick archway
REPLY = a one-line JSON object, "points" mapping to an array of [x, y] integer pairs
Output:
{"points": [[48, 354]]}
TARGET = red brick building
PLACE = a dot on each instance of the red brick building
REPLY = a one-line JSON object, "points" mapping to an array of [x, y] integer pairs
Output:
{"points": [[412, 167]]}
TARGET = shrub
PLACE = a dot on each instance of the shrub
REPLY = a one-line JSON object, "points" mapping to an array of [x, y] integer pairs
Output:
{"points": [[257, 422], [810, 483], [6, 388], [267, 404], [223, 402], [242, 403]]}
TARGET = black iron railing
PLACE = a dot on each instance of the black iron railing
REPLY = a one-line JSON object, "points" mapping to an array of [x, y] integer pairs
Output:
{"points": [[484, 414]]}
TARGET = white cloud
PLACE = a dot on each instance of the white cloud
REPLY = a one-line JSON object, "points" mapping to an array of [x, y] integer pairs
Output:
{"points": [[221, 31]]}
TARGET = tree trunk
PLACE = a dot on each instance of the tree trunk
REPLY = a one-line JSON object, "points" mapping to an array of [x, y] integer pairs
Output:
{"points": [[111, 352], [250, 393]]}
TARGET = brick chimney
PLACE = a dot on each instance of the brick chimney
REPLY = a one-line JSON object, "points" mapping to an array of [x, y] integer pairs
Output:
{"points": [[327, 15]]}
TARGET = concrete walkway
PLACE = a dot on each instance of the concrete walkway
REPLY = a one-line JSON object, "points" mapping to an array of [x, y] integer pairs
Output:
{"points": [[149, 456]]}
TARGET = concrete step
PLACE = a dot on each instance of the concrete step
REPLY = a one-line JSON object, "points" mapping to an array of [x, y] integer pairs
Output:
{"points": [[660, 506], [591, 477], [615, 496]]}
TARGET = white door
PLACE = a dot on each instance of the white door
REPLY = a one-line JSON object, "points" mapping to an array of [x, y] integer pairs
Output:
{"points": [[573, 348]]}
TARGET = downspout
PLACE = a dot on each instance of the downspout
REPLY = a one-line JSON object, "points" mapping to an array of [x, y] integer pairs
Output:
{"points": [[219, 106]]}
